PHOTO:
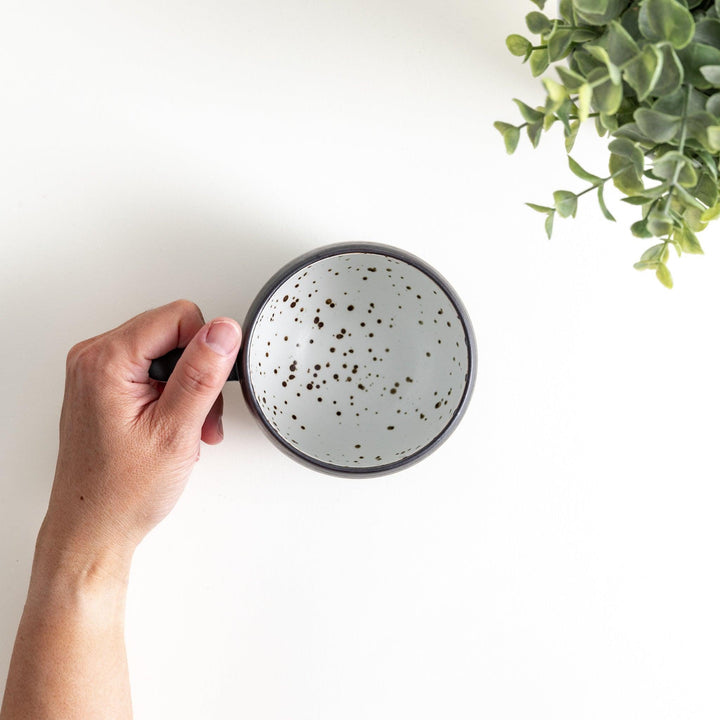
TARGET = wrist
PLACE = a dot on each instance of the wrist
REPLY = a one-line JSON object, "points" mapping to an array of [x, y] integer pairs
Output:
{"points": [[71, 566]]}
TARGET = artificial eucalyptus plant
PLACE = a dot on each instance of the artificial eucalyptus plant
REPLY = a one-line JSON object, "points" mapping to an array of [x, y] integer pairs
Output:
{"points": [[647, 72]]}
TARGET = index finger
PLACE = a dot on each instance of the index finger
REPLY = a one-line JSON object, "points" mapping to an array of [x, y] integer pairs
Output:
{"points": [[156, 332]]}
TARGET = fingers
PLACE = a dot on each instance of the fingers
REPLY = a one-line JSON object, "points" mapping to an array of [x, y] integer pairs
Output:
{"points": [[212, 429], [194, 386], [155, 332]]}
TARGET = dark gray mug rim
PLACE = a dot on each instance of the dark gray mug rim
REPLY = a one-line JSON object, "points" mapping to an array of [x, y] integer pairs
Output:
{"points": [[322, 253]]}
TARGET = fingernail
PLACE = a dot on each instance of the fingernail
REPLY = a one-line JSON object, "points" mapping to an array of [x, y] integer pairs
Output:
{"points": [[222, 337], [220, 427]]}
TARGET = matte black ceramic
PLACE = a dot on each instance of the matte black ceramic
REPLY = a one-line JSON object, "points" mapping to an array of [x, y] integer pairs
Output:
{"points": [[357, 358]]}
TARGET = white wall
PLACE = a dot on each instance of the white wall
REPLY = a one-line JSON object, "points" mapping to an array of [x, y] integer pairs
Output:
{"points": [[556, 558]]}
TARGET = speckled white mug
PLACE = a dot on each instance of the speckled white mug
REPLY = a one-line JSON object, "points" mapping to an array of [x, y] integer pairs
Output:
{"points": [[357, 358]]}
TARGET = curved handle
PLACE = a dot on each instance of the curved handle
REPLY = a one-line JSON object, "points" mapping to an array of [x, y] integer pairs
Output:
{"points": [[160, 368]]}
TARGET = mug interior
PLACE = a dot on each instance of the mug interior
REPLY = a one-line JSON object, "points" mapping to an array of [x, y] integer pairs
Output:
{"points": [[358, 361]]}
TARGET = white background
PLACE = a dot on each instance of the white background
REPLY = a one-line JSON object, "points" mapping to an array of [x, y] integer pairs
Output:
{"points": [[556, 558]]}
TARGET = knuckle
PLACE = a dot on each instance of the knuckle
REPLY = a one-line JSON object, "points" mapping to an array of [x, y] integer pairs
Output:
{"points": [[197, 380], [83, 356], [187, 307]]}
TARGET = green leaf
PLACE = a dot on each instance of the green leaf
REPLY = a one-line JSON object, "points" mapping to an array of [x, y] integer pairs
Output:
{"points": [[583, 62], [518, 45], [713, 104], [581, 173], [707, 31], [603, 207], [609, 121], [607, 96], [711, 213], [539, 61], [695, 56], [559, 44], [628, 149], [601, 54], [583, 35], [572, 80], [539, 3], [643, 72], [674, 103], [654, 253], [706, 190], [657, 126], [556, 93], [663, 275], [671, 73], [584, 99], [688, 199], [712, 74], [540, 208], [565, 203], [534, 131], [599, 12], [636, 200], [511, 135], [713, 137], [572, 136], [620, 45], [666, 20], [549, 221], [529, 114], [688, 241], [625, 178], [659, 224], [640, 229], [692, 217], [537, 23], [697, 126]]}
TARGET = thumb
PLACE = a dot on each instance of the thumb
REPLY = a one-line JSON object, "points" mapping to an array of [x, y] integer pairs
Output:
{"points": [[200, 373]]}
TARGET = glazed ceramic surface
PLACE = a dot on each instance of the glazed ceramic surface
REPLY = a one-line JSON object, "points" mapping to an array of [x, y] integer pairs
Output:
{"points": [[358, 361]]}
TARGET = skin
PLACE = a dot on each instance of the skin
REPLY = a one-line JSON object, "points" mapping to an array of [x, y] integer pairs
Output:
{"points": [[127, 447]]}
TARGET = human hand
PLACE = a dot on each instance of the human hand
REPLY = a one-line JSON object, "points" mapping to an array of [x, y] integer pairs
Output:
{"points": [[128, 443]]}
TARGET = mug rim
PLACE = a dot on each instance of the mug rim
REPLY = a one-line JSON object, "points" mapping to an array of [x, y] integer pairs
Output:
{"points": [[286, 272]]}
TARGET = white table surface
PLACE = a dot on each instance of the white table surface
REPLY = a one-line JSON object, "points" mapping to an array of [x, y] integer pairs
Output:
{"points": [[556, 558]]}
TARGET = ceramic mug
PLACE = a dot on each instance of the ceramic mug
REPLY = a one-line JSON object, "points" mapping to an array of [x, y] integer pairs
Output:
{"points": [[356, 359]]}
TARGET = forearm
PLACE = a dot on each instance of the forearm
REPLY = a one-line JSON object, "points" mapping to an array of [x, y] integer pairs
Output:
{"points": [[69, 659]]}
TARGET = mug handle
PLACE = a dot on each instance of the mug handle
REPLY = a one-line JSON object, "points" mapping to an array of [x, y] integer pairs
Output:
{"points": [[160, 368]]}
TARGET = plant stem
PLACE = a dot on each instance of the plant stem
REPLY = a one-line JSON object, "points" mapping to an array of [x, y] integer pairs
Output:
{"points": [[602, 182]]}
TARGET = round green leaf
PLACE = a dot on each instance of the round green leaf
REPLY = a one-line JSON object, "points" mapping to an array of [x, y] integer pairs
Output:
{"points": [[657, 126], [539, 61], [565, 203], [671, 73], [713, 104], [643, 72], [666, 20], [607, 96], [712, 74], [621, 47], [537, 23], [559, 44], [511, 135], [518, 45], [695, 56], [598, 12]]}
